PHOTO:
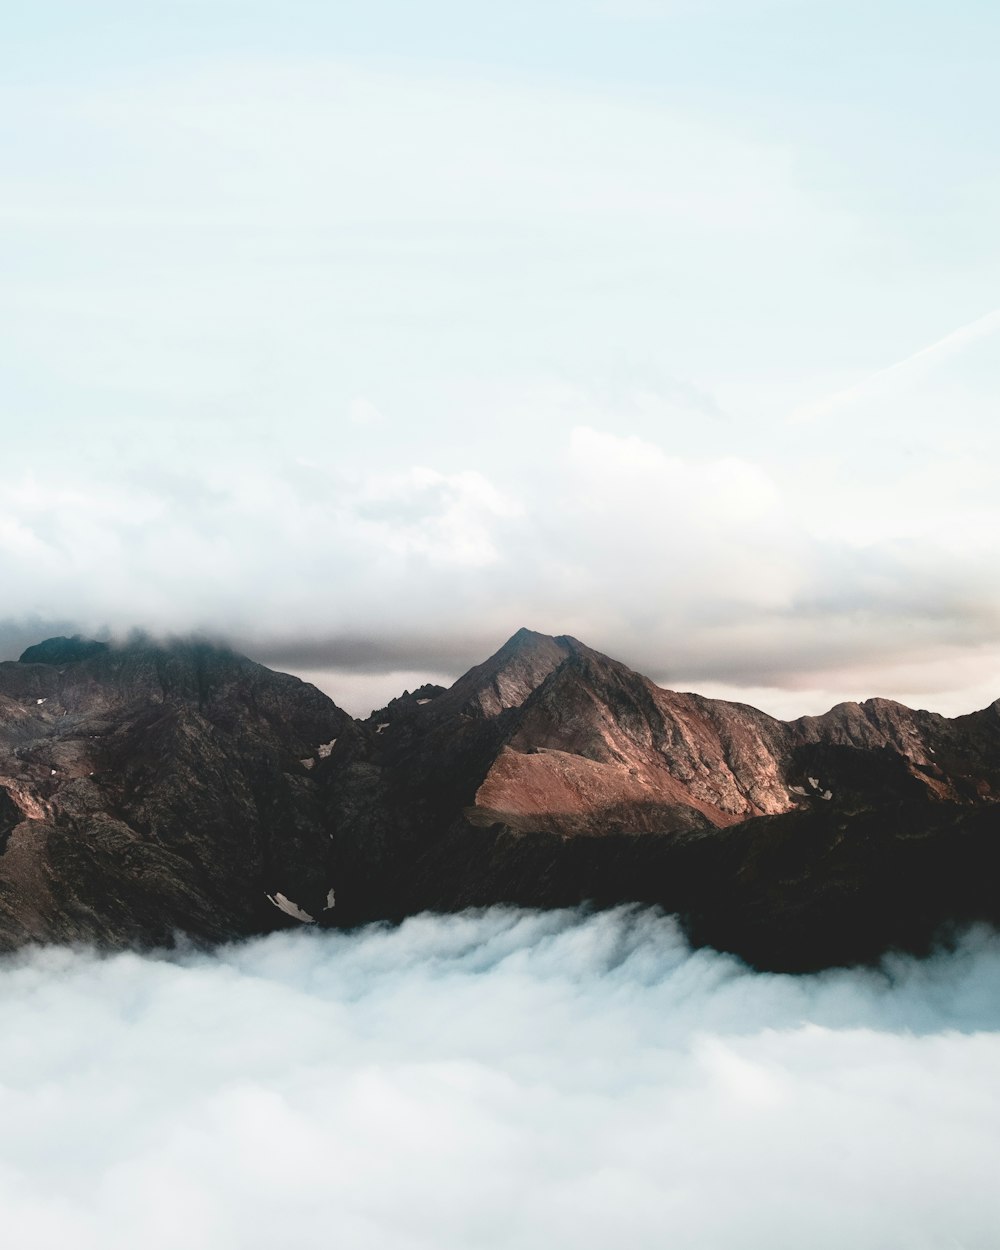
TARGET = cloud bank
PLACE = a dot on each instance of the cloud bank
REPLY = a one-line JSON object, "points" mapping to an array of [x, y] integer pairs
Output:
{"points": [[500, 1079], [736, 575]]}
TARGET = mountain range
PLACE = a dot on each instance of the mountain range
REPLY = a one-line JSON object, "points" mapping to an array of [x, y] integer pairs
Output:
{"points": [[153, 790]]}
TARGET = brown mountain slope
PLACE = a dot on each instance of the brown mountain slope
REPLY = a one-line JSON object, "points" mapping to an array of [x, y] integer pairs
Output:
{"points": [[597, 738], [595, 746]]}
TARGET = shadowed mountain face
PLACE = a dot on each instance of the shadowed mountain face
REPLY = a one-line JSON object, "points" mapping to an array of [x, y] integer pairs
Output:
{"points": [[148, 790]]}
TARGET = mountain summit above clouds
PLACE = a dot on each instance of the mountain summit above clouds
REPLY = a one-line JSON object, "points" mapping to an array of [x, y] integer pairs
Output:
{"points": [[149, 790]]}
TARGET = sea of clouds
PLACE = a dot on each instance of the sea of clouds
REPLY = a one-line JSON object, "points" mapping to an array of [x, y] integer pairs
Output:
{"points": [[497, 1079]]}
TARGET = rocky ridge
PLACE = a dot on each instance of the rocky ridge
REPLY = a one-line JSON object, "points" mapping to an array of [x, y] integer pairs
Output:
{"points": [[148, 790]]}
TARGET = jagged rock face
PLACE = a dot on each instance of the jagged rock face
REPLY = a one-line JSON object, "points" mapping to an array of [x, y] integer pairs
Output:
{"points": [[147, 790], [597, 747], [609, 741], [927, 754]]}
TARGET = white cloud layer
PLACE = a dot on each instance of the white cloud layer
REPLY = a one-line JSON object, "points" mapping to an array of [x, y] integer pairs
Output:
{"points": [[500, 1080]]}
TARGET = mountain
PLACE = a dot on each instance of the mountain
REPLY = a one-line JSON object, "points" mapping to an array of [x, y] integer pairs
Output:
{"points": [[152, 789]]}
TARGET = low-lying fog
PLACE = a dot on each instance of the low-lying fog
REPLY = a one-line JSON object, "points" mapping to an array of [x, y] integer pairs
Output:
{"points": [[498, 1079]]}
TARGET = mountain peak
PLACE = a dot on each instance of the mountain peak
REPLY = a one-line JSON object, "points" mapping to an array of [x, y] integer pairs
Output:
{"points": [[523, 637], [531, 640], [62, 650], [509, 676]]}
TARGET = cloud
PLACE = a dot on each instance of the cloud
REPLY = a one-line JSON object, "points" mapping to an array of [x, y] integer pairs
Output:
{"points": [[445, 519], [696, 569], [884, 380], [498, 1079]]}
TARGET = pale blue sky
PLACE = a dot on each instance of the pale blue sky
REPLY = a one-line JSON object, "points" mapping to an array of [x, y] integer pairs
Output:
{"points": [[370, 333]]}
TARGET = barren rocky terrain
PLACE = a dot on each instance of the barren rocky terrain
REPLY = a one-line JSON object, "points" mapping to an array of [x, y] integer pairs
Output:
{"points": [[152, 790]]}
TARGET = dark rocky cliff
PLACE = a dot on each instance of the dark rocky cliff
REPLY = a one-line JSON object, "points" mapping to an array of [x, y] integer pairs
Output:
{"points": [[148, 790]]}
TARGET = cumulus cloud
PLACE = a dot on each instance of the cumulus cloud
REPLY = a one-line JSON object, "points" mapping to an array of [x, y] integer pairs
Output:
{"points": [[499, 1079], [443, 518]]}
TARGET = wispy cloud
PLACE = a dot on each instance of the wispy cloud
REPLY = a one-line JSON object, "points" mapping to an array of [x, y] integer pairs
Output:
{"points": [[884, 379]]}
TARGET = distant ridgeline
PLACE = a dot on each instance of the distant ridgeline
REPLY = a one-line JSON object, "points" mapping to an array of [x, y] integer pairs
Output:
{"points": [[149, 790]]}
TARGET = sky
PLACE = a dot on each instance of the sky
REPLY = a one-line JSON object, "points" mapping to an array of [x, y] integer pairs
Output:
{"points": [[364, 335], [493, 1080]]}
